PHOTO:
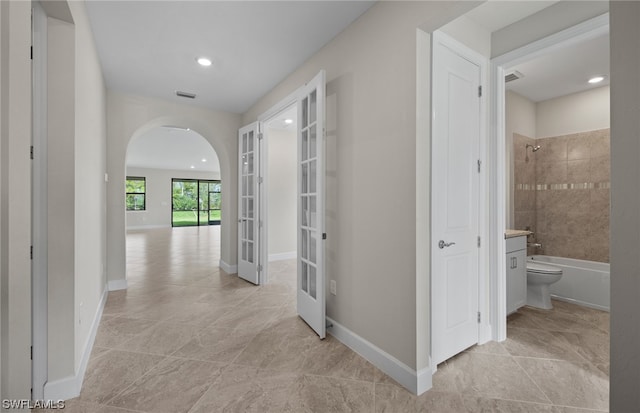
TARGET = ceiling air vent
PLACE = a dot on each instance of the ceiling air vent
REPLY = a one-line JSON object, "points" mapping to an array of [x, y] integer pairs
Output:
{"points": [[185, 94], [511, 76]]}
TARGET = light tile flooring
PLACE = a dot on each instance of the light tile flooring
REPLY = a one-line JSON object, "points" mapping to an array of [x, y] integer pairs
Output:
{"points": [[187, 337]]}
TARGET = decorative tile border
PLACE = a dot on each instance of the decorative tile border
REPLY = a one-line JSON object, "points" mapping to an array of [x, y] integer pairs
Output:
{"points": [[556, 187]]}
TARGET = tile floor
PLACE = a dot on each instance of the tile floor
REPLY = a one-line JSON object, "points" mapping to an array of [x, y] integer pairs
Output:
{"points": [[187, 337]]}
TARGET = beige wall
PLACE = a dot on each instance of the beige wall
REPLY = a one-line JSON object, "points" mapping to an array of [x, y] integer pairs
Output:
{"points": [[129, 116], [283, 184], [15, 198], [371, 121], [90, 187], [625, 204], [158, 195], [578, 112]]}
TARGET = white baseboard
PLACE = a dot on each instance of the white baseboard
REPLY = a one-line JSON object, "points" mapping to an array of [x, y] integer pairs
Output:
{"points": [[283, 256], [70, 386], [115, 285], [415, 382], [229, 269]]}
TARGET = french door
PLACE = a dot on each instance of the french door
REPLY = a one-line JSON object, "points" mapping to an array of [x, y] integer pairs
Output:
{"points": [[248, 213], [310, 100], [311, 198]]}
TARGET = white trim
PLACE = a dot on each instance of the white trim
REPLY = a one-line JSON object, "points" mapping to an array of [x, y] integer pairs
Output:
{"points": [[587, 30], [291, 255], [228, 268], [70, 386], [415, 382], [139, 227], [115, 285], [39, 202]]}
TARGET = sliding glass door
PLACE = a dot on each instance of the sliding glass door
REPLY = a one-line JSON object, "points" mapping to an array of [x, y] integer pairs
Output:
{"points": [[195, 202]]}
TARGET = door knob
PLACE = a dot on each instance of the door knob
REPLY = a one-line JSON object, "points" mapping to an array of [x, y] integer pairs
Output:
{"points": [[443, 244]]}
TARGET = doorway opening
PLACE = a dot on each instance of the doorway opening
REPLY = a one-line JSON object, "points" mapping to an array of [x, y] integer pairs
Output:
{"points": [[195, 202], [562, 170]]}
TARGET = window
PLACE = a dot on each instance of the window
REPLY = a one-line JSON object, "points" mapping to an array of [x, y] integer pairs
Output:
{"points": [[195, 202], [136, 193]]}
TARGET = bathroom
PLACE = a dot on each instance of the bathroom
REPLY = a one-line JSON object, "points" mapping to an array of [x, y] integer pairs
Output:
{"points": [[557, 130]]}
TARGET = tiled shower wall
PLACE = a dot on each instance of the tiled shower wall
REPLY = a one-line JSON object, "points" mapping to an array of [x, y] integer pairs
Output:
{"points": [[562, 194]]}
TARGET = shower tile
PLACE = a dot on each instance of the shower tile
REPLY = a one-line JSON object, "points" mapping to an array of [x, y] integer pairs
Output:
{"points": [[599, 169], [600, 200], [554, 149], [578, 147], [578, 171], [599, 143]]}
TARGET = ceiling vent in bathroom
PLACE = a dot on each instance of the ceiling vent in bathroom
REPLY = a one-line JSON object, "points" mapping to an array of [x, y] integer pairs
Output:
{"points": [[511, 76], [185, 94]]}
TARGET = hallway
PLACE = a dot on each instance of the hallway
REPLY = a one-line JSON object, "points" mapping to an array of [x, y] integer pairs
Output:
{"points": [[187, 337]]}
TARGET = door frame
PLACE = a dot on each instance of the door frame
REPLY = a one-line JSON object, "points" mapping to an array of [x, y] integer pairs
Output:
{"points": [[484, 326], [274, 111], [39, 207], [497, 150]]}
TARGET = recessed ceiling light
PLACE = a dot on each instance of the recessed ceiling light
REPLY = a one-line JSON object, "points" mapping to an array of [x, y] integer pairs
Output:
{"points": [[204, 160], [288, 121], [596, 79], [203, 61], [192, 167]]}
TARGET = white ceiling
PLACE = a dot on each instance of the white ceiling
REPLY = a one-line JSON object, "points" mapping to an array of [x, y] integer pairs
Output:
{"points": [[564, 71], [172, 148], [560, 73], [150, 47], [497, 14]]}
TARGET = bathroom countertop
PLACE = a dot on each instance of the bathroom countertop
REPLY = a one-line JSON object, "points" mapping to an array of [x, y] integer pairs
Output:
{"points": [[512, 233]]}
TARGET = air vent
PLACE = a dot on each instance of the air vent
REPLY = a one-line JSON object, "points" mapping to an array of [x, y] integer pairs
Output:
{"points": [[511, 76], [185, 94]]}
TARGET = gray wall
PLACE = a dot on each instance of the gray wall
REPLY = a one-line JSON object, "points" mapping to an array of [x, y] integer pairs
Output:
{"points": [[625, 207]]}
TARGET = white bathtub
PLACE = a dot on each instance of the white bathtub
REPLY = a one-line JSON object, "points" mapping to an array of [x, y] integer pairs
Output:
{"points": [[583, 282]]}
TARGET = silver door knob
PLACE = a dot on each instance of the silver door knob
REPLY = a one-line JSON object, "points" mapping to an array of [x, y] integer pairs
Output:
{"points": [[443, 244]]}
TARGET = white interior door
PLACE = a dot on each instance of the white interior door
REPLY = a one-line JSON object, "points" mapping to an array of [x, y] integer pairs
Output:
{"points": [[248, 216], [455, 200], [311, 196]]}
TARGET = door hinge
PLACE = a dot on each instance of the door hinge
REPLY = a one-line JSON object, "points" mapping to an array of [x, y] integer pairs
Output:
{"points": [[260, 224], [260, 179], [260, 268], [479, 91], [479, 165], [324, 235], [479, 317], [479, 243], [260, 136], [31, 252], [31, 151], [31, 52], [31, 352]]}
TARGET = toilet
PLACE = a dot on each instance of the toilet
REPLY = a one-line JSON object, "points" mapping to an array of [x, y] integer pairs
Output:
{"points": [[539, 278]]}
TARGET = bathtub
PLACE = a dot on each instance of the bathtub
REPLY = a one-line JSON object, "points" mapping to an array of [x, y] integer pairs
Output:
{"points": [[583, 282]]}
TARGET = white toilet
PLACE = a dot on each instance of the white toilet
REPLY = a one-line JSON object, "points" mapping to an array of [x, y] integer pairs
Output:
{"points": [[539, 278]]}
